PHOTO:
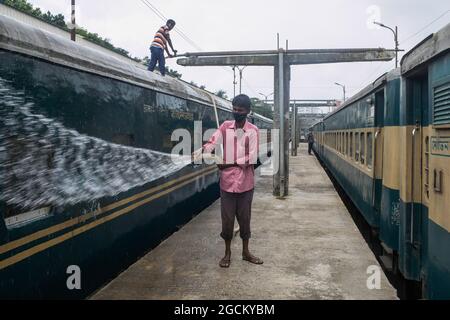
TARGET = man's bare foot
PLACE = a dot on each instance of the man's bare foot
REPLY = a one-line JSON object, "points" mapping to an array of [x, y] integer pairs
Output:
{"points": [[225, 262], [251, 258]]}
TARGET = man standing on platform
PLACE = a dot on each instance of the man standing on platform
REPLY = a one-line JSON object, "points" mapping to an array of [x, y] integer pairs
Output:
{"points": [[240, 141], [310, 142]]}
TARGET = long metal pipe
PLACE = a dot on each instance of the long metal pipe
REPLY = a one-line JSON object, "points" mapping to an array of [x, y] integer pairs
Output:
{"points": [[282, 111], [272, 52]]}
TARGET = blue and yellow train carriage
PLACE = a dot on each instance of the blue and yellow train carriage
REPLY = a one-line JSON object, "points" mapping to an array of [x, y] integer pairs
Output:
{"points": [[388, 147], [425, 165], [350, 142]]}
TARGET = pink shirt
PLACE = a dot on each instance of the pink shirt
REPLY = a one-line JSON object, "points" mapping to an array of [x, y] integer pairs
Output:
{"points": [[241, 147]]}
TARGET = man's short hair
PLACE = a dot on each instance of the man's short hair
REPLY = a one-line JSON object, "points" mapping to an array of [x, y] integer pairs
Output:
{"points": [[171, 22], [242, 101]]}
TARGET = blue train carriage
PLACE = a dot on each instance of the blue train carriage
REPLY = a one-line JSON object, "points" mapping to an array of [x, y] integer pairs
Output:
{"points": [[350, 141], [425, 165], [129, 109]]}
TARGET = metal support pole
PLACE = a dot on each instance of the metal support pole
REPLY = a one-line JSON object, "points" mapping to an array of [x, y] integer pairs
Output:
{"points": [[281, 107], [396, 47], [294, 131], [234, 82], [240, 81], [73, 32], [282, 80], [240, 78]]}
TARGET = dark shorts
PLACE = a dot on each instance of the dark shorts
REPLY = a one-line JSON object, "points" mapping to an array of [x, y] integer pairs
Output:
{"points": [[237, 205]]}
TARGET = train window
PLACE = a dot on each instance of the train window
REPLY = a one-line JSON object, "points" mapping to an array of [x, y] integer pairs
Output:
{"points": [[339, 141], [336, 137], [362, 154], [334, 140], [351, 146], [357, 146], [346, 144], [369, 150]]}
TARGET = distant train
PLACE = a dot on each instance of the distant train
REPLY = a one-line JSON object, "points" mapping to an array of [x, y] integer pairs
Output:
{"points": [[122, 104], [389, 149]]}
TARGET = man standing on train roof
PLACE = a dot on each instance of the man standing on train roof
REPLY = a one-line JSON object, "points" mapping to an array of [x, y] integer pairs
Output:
{"points": [[240, 141], [310, 139], [159, 44]]}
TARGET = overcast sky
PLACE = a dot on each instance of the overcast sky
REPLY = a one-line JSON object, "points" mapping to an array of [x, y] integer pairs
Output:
{"points": [[251, 24]]}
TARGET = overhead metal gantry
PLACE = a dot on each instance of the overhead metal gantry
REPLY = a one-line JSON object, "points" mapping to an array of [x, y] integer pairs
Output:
{"points": [[282, 60]]}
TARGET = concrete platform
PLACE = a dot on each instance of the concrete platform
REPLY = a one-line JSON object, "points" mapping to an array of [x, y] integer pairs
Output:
{"points": [[309, 243]]}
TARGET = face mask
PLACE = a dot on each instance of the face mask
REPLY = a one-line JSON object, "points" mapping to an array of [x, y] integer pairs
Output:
{"points": [[239, 117]]}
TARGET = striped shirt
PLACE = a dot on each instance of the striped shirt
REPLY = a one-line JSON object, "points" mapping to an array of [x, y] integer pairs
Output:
{"points": [[161, 37]]}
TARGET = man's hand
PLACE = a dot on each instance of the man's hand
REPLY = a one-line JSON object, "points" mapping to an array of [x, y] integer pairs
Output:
{"points": [[196, 155], [226, 166]]}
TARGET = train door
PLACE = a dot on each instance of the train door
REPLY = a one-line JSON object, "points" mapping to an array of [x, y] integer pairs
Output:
{"points": [[412, 217], [378, 140], [436, 194]]}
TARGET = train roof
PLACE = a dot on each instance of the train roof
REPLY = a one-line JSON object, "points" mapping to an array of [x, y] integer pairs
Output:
{"points": [[428, 49], [28, 40], [374, 86]]}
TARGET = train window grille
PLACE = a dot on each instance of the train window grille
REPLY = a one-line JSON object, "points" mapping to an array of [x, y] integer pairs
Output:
{"points": [[441, 105], [363, 146], [369, 150]]}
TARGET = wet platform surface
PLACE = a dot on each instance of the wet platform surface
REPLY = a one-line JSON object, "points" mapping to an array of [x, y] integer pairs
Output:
{"points": [[309, 243]]}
